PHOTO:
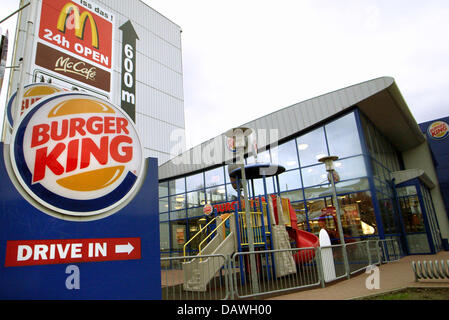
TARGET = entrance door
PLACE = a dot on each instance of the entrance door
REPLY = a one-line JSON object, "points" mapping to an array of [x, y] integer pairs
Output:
{"points": [[422, 233]]}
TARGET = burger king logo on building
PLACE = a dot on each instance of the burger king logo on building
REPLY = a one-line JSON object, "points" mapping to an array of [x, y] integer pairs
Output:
{"points": [[438, 130], [208, 209], [77, 155]]}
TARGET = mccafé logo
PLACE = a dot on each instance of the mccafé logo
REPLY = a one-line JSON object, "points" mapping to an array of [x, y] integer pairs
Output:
{"points": [[77, 155], [66, 65], [78, 22], [31, 94], [438, 130]]}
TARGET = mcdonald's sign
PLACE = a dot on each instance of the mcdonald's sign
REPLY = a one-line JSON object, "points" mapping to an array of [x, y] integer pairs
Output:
{"points": [[81, 28], [79, 22]]}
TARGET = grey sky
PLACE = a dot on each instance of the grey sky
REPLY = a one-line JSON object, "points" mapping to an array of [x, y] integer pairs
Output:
{"points": [[243, 59]]}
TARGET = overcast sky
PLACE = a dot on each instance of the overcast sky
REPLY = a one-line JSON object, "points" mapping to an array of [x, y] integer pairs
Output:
{"points": [[243, 59]]}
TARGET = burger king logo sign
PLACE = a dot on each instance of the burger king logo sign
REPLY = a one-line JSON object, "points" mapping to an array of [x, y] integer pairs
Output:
{"points": [[32, 93], [77, 155], [438, 130]]}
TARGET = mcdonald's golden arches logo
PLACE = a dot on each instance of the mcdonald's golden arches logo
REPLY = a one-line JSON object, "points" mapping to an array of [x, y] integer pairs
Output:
{"points": [[81, 28], [78, 23]]}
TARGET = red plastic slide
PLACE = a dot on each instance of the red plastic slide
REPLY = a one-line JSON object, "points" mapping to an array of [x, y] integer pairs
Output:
{"points": [[303, 239]]}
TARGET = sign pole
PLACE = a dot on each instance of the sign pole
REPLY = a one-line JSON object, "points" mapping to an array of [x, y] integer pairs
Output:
{"points": [[24, 63]]}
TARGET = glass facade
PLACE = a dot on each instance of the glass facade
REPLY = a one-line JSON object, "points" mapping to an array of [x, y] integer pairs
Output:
{"points": [[364, 190], [383, 159]]}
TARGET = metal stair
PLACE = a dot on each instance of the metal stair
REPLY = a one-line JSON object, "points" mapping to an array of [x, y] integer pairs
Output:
{"points": [[199, 271]]}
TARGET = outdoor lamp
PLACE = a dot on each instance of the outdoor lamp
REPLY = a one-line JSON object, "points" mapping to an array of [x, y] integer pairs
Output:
{"points": [[330, 168], [329, 162], [241, 138]]}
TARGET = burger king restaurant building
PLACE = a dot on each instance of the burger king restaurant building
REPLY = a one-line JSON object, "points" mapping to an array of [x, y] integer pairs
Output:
{"points": [[388, 184]]}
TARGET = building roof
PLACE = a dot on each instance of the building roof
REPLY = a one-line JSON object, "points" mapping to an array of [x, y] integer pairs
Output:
{"points": [[379, 99], [410, 174]]}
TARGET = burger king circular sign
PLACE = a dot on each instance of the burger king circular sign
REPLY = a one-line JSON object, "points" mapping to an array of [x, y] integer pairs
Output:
{"points": [[77, 155], [438, 130], [31, 93]]}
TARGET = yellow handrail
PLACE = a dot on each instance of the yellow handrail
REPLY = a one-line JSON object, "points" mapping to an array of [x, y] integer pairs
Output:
{"points": [[224, 220], [256, 224], [199, 232]]}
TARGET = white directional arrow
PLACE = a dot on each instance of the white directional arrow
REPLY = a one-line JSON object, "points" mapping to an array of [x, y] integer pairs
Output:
{"points": [[122, 248]]}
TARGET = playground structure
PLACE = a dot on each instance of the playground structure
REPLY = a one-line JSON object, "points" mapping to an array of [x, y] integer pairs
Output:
{"points": [[273, 223]]}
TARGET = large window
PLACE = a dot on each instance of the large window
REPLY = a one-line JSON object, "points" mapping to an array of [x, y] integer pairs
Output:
{"points": [[379, 147], [357, 215], [178, 214], [358, 218], [177, 202], [289, 180], [195, 182], [196, 198], [285, 155], [342, 137], [195, 212], [163, 205], [315, 175], [177, 186], [216, 194], [311, 147], [387, 213], [215, 177], [351, 168], [163, 189]]}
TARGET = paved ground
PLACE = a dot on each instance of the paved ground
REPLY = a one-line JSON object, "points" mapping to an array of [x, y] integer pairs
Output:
{"points": [[393, 275]]}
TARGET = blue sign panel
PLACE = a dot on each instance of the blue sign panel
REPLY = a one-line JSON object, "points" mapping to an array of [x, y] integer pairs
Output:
{"points": [[113, 257], [437, 132]]}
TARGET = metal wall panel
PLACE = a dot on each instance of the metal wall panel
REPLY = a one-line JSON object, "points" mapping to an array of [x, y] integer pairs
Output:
{"points": [[156, 130], [159, 76], [161, 106], [158, 49]]}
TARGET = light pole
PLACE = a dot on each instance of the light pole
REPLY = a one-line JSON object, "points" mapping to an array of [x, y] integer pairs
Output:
{"points": [[240, 136], [330, 168]]}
